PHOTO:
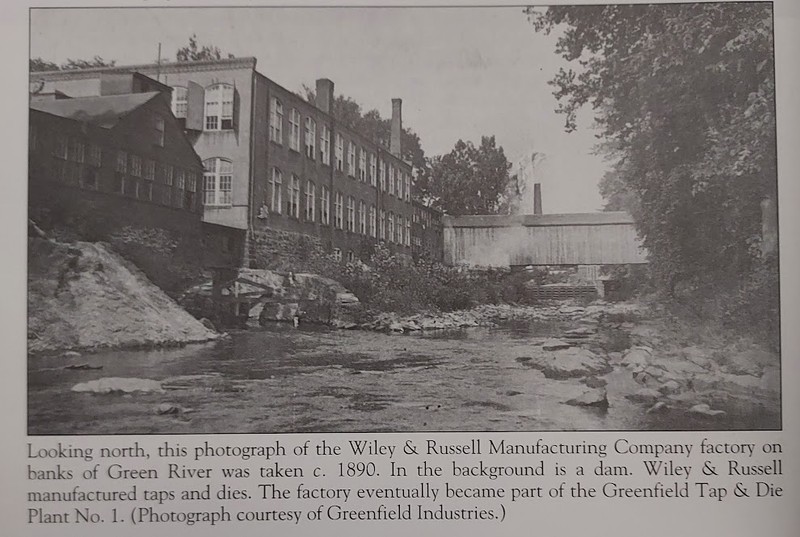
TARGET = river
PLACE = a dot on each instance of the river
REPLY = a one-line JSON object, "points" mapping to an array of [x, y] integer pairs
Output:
{"points": [[282, 379]]}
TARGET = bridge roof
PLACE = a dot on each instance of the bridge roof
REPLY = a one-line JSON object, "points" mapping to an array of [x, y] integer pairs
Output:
{"points": [[540, 220]]}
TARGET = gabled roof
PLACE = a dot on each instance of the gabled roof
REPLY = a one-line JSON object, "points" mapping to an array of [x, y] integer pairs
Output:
{"points": [[535, 220], [103, 111]]}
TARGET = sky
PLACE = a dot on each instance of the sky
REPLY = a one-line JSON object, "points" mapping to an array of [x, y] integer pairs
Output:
{"points": [[462, 73]]}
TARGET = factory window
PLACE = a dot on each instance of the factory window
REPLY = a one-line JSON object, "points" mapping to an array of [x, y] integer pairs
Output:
{"points": [[310, 201], [149, 170], [351, 159], [391, 180], [383, 176], [391, 226], [219, 107], [362, 165], [276, 121], [373, 169], [275, 184], [217, 182], [337, 254], [351, 213], [372, 230], [339, 210], [95, 155], [179, 101], [408, 187], [159, 126], [339, 152], [362, 217], [136, 166], [325, 145], [408, 232], [311, 137], [294, 130], [325, 205], [293, 204], [382, 225]]}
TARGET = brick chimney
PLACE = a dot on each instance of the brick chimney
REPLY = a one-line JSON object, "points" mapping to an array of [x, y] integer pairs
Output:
{"points": [[537, 198], [325, 95], [395, 147]]}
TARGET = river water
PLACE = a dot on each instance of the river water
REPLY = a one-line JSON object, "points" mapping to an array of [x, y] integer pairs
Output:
{"points": [[282, 379]]}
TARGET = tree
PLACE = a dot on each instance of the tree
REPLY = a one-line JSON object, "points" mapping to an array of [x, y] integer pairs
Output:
{"points": [[38, 64], [194, 53], [373, 126], [469, 179], [684, 97]]}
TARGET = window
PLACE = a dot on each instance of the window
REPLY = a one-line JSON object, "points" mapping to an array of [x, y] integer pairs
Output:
{"points": [[180, 184], [76, 151], [166, 193], [337, 254], [275, 183], [311, 137], [383, 177], [362, 217], [351, 159], [391, 180], [338, 207], [325, 145], [408, 187], [149, 170], [351, 213], [373, 169], [293, 204], [136, 166], [121, 168], [350, 256], [400, 184], [158, 124], [325, 206], [95, 155], [373, 232], [168, 175], [276, 121], [382, 224], [391, 227], [310, 205], [179, 102], [339, 152], [408, 232], [362, 165], [217, 182], [294, 130], [398, 229], [219, 107]]}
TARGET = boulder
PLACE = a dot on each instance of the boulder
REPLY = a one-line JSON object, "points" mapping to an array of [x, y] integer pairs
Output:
{"points": [[594, 382], [570, 363], [592, 398], [645, 395], [118, 385], [705, 410], [637, 357], [555, 344], [71, 354], [657, 408], [669, 387], [581, 331], [396, 328]]}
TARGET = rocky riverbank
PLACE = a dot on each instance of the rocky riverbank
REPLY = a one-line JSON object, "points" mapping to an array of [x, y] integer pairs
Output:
{"points": [[664, 364], [84, 297]]}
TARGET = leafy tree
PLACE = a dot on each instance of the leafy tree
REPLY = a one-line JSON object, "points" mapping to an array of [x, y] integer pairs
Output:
{"points": [[469, 179], [38, 64], [373, 126], [684, 96], [195, 53]]}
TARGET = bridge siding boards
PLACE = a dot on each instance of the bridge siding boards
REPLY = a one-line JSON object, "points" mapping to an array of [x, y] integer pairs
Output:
{"points": [[571, 239]]}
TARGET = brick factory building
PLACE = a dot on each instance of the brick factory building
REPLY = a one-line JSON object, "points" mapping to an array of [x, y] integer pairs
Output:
{"points": [[282, 176]]}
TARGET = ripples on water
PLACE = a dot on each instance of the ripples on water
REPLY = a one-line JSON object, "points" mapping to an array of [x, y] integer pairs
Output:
{"points": [[281, 379]]}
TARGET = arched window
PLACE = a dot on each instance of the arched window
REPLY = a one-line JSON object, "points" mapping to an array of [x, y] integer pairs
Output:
{"points": [[276, 121], [217, 182], [179, 101], [219, 107]]}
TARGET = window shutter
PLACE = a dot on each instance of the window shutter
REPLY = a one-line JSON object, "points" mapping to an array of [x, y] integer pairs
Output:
{"points": [[195, 102], [236, 106]]}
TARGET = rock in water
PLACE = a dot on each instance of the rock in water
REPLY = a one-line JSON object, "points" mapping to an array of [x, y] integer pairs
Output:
{"points": [[555, 344], [705, 410], [118, 385], [594, 398], [570, 363], [645, 395]]}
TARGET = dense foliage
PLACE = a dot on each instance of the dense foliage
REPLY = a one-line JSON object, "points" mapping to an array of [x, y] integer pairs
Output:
{"points": [[195, 53], [470, 179], [39, 64], [684, 97]]}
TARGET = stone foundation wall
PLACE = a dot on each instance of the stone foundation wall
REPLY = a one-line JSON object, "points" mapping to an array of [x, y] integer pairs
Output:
{"points": [[283, 250]]}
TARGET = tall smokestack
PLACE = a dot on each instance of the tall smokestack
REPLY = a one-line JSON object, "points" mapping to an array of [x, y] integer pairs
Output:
{"points": [[537, 198], [324, 95], [397, 128]]}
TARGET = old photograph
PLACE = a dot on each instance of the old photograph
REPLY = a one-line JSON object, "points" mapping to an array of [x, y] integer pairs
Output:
{"points": [[386, 219]]}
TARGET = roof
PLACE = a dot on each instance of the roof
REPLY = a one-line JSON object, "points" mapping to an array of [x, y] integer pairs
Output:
{"points": [[531, 220], [102, 111], [248, 62]]}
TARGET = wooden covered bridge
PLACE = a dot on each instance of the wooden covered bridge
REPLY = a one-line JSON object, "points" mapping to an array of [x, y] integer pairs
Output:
{"points": [[603, 238]]}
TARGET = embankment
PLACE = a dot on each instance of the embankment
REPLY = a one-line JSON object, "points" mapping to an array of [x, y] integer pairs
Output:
{"points": [[83, 296]]}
